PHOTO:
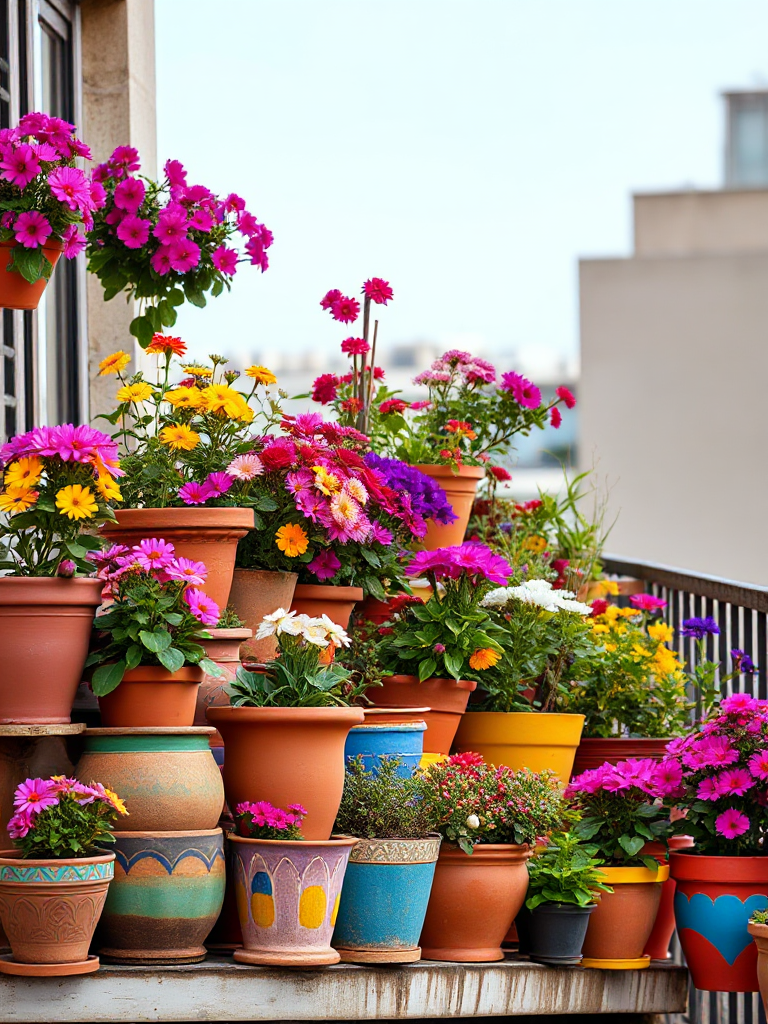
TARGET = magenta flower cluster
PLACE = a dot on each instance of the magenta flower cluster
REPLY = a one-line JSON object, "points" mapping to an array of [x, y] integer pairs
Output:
{"points": [[214, 486], [69, 442], [36, 795], [262, 820], [637, 778], [470, 560]]}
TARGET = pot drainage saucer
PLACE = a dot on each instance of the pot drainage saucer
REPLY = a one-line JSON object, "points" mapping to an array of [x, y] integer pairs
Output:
{"points": [[10, 966], [616, 965]]}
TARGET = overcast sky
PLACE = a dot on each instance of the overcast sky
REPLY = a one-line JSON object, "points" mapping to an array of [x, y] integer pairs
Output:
{"points": [[469, 151]]}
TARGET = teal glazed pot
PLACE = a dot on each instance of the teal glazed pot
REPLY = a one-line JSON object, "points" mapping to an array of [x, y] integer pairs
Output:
{"points": [[288, 897], [404, 740], [165, 897], [384, 901], [167, 777]]}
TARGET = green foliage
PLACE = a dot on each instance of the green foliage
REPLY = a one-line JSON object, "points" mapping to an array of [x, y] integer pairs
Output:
{"points": [[564, 872], [229, 619], [70, 829], [616, 827], [759, 917], [361, 657], [383, 805]]}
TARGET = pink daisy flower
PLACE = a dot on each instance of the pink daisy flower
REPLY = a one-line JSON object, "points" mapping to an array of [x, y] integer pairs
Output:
{"points": [[133, 231], [708, 789], [245, 467], [758, 764], [32, 229], [69, 185], [731, 823], [523, 391], [20, 165], [668, 777], [203, 608], [34, 795], [647, 602], [153, 553], [734, 782], [345, 310], [193, 573], [717, 750], [378, 290], [194, 493], [218, 484], [74, 242], [738, 702]]}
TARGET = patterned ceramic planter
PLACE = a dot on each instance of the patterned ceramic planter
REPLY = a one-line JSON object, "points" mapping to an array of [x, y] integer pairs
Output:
{"points": [[168, 776], [287, 898], [165, 898], [402, 740], [384, 902], [49, 910]]}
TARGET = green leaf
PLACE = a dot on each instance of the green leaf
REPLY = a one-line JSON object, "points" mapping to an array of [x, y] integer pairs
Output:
{"points": [[454, 664], [173, 618], [32, 264], [107, 678], [171, 658], [156, 642], [651, 863], [133, 656], [211, 668], [427, 669], [141, 329], [631, 845], [176, 297], [374, 587]]}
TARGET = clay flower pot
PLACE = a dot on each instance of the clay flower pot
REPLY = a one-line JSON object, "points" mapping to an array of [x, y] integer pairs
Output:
{"points": [[622, 922], [473, 902], [316, 599], [460, 488], [657, 946], [759, 933], [534, 740], [49, 910], [594, 751], [446, 699], [256, 593], [168, 776], [715, 898], [384, 900], [372, 741], [165, 898], [45, 628], [15, 291], [224, 649], [207, 535], [287, 899], [152, 696], [555, 933], [287, 755]]}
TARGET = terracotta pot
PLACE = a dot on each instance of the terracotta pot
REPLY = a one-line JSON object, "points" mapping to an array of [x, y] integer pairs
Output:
{"points": [[394, 716], [287, 755], [152, 696], [166, 895], [657, 946], [759, 933], [207, 535], [594, 751], [622, 922], [288, 898], [460, 488], [534, 740], [167, 777], [446, 698], [45, 628], [715, 898], [473, 902], [15, 291], [256, 593], [49, 910], [224, 649], [317, 599]]}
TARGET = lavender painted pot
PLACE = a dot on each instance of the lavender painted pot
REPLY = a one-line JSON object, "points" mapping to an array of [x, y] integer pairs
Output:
{"points": [[288, 897]]}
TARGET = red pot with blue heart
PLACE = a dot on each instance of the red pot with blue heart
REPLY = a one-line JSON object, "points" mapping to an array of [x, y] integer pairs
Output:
{"points": [[714, 900]]}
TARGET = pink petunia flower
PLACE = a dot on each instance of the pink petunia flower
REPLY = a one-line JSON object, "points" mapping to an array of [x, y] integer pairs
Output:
{"points": [[201, 220], [738, 702], [233, 203], [225, 260], [161, 260], [129, 194], [175, 173], [19, 826], [153, 553], [74, 242], [70, 186], [171, 225], [184, 254], [32, 229], [718, 751], [324, 565], [667, 777], [647, 602], [194, 493], [732, 823], [19, 165], [126, 157], [193, 573], [133, 231], [203, 608]]}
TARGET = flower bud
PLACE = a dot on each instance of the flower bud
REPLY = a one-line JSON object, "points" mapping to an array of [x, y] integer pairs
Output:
{"points": [[473, 821], [66, 568]]}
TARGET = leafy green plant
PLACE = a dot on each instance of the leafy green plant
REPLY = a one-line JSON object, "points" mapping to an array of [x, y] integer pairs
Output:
{"points": [[383, 805], [564, 872], [759, 917], [229, 619]]}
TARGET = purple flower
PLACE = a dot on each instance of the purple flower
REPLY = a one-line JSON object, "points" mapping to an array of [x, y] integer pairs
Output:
{"points": [[699, 628], [428, 500], [324, 565], [742, 662]]}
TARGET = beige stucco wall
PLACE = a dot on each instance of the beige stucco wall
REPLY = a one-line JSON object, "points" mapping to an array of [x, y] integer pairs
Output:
{"points": [[686, 223], [673, 404], [118, 57]]}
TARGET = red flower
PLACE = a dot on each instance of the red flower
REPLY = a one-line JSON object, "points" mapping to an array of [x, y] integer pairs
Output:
{"points": [[162, 343], [355, 346], [279, 455], [555, 417], [566, 396], [329, 298], [385, 630], [352, 405], [378, 373], [500, 473], [599, 606], [466, 760], [324, 388], [378, 290], [344, 309], [392, 405]]}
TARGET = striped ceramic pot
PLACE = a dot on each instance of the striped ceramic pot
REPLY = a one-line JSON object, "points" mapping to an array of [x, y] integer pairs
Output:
{"points": [[166, 895], [49, 910], [384, 902], [288, 897]]}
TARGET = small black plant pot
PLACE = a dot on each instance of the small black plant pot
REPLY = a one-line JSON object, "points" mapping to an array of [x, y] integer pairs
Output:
{"points": [[557, 932]]}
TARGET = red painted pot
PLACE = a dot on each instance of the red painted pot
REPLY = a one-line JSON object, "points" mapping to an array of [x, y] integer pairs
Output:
{"points": [[592, 752], [715, 898], [657, 947]]}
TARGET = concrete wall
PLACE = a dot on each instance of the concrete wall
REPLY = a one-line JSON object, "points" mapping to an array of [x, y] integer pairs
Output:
{"points": [[674, 350], [118, 59]]}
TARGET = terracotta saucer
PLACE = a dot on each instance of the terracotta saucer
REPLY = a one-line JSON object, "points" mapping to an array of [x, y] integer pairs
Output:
{"points": [[10, 966]]}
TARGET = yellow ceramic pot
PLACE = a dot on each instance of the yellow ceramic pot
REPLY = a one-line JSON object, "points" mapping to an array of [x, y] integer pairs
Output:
{"points": [[522, 740]]}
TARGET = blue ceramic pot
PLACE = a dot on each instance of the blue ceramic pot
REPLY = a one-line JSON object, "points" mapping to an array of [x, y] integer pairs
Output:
{"points": [[403, 740], [384, 900]]}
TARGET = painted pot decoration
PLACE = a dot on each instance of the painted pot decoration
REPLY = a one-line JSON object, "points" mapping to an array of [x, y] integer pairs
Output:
{"points": [[595, 751], [446, 698], [151, 696], [404, 741], [622, 922], [256, 593], [49, 910], [168, 776], [208, 535], [45, 623], [759, 933], [165, 898], [288, 897], [715, 898], [384, 900], [657, 946], [460, 489], [15, 291], [473, 902], [316, 599], [534, 740], [555, 933]]}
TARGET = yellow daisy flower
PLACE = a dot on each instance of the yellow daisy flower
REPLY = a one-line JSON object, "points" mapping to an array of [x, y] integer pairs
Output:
{"points": [[184, 398], [292, 540], [180, 436], [261, 375], [76, 502], [17, 499], [108, 488], [661, 631], [535, 544], [115, 363], [198, 371], [484, 657], [326, 482], [24, 473], [139, 392], [115, 800], [220, 398]]}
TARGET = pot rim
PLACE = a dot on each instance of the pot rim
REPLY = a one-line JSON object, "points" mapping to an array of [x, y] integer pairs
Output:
{"points": [[150, 730], [154, 674], [12, 857], [375, 727], [266, 572], [49, 243], [526, 714], [755, 928], [325, 590], [157, 834], [231, 633], [628, 876], [301, 844], [167, 517], [568, 908], [707, 868], [438, 469], [80, 590], [228, 714], [396, 711], [408, 680], [453, 849]]}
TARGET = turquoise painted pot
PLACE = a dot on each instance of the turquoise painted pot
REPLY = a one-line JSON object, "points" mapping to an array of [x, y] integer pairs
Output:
{"points": [[287, 899], [165, 897], [384, 902], [404, 740]]}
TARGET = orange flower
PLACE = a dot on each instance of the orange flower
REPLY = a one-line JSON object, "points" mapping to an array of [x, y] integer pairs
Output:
{"points": [[461, 428], [292, 540], [164, 344], [484, 657]]}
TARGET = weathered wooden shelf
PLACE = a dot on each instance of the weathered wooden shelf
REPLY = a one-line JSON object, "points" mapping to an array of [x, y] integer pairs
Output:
{"points": [[220, 989]]}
